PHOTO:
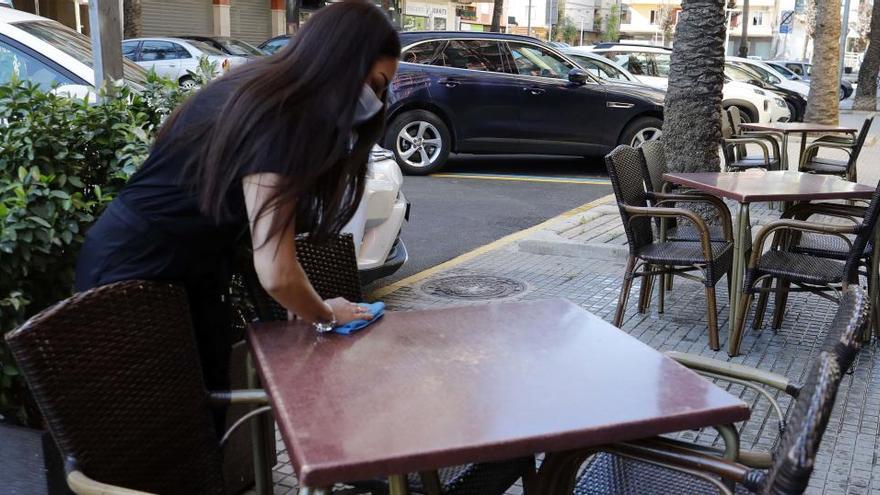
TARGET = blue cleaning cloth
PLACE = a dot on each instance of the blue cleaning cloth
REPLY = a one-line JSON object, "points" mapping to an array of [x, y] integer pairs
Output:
{"points": [[376, 309]]}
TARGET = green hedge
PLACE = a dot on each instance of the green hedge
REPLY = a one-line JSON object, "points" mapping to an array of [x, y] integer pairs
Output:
{"points": [[61, 161]]}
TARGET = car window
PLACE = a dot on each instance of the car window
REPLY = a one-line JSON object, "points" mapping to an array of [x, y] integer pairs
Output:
{"points": [[599, 69], [15, 63], [423, 53], [766, 75], [75, 45], [129, 49], [153, 51], [482, 55], [808, 68], [642, 63], [782, 70], [181, 52], [241, 48], [274, 45], [205, 48], [796, 68], [532, 60]]}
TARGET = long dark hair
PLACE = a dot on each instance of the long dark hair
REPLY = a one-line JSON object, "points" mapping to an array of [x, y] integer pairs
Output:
{"points": [[296, 109]]}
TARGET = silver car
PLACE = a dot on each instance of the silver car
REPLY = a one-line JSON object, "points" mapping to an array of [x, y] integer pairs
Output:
{"points": [[175, 58]]}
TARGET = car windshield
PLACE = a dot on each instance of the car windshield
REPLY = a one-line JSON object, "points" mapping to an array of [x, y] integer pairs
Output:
{"points": [[205, 48], [237, 47], [76, 45], [765, 73], [599, 69], [642, 63], [784, 71]]}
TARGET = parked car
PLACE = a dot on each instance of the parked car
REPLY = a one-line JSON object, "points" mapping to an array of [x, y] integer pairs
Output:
{"points": [[272, 45], [175, 58], [50, 54], [770, 75], [800, 71], [650, 65], [229, 46], [599, 66], [796, 103], [466, 92]]}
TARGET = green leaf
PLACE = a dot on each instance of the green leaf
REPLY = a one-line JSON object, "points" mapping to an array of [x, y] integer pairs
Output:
{"points": [[40, 221]]}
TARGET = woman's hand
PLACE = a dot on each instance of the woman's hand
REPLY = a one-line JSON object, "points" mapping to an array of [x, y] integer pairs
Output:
{"points": [[346, 312]]}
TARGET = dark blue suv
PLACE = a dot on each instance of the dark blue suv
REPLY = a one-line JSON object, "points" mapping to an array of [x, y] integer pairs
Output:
{"points": [[460, 92]]}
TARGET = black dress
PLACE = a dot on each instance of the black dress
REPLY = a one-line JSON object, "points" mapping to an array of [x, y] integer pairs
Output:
{"points": [[153, 230]]}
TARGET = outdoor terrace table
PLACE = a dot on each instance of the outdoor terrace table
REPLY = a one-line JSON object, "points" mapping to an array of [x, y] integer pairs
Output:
{"points": [[422, 390], [802, 128], [756, 186]]}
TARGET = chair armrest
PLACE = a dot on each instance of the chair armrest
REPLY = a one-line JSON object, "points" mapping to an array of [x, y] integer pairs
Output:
{"points": [[254, 396], [772, 138], [750, 458], [733, 370], [806, 210], [741, 140], [717, 203], [81, 484], [825, 144], [699, 223], [798, 226]]}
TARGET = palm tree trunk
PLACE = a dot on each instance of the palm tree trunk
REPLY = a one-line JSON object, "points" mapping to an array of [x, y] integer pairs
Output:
{"points": [[866, 90], [823, 103], [692, 118], [131, 18], [497, 12]]}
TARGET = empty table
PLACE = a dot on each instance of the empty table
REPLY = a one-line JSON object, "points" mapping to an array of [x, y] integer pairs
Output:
{"points": [[802, 128], [756, 186], [422, 390]]}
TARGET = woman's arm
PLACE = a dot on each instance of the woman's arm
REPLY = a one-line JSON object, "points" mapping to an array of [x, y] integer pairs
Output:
{"points": [[275, 260]]}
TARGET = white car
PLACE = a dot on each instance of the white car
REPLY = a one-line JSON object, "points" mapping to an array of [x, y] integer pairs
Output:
{"points": [[772, 76], [48, 53], [600, 66], [175, 58], [650, 65]]}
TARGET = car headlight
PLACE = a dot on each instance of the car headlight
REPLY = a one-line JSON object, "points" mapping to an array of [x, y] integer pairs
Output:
{"points": [[780, 102], [759, 91]]}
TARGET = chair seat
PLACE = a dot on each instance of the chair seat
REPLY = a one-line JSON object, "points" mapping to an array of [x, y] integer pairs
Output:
{"points": [[490, 478], [825, 166], [682, 252], [689, 233], [752, 162], [800, 268], [609, 474]]}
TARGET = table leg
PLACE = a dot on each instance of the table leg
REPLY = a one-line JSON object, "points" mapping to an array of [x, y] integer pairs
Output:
{"points": [[397, 485], [259, 434], [803, 149], [736, 274], [558, 472], [783, 160], [431, 482]]}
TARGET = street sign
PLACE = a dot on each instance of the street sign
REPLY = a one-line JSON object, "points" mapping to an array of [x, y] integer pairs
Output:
{"points": [[786, 21]]}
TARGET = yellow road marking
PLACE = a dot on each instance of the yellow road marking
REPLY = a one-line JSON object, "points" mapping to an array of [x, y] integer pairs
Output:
{"points": [[523, 179], [504, 241]]}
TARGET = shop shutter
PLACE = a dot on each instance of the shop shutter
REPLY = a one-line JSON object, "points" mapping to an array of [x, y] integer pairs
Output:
{"points": [[251, 20], [177, 17]]}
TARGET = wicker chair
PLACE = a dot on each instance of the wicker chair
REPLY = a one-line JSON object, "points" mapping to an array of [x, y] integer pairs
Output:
{"points": [[659, 469], [332, 270], [807, 272], [115, 373], [653, 257], [812, 163], [733, 148]]}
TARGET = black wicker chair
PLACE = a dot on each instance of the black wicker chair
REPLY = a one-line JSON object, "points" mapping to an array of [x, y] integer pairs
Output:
{"points": [[811, 161], [659, 469], [734, 152], [653, 257], [115, 373], [332, 270], [807, 272]]}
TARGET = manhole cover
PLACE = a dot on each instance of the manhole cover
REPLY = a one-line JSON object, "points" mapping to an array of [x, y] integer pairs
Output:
{"points": [[474, 287]]}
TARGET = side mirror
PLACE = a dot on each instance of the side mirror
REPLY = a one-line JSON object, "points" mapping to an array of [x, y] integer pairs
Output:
{"points": [[757, 82], [578, 76]]}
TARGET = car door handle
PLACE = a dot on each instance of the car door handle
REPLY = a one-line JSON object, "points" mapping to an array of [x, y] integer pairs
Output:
{"points": [[449, 83], [535, 91]]}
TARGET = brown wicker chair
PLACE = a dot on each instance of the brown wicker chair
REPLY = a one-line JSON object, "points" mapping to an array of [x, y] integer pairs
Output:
{"points": [[657, 468], [811, 161], [807, 272], [733, 147], [653, 257], [115, 373]]}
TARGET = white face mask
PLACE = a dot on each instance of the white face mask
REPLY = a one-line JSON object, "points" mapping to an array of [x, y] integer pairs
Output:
{"points": [[368, 105]]}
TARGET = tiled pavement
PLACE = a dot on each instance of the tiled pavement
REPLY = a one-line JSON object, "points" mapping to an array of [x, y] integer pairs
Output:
{"points": [[580, 258]]}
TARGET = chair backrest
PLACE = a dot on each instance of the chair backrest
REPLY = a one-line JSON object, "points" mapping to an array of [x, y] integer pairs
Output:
{"points": [[735, 116], [795, 454], [860, 141], [863, 237], [626, 170], [116, 375], [727, 132], [654, 160], [844, 337]]}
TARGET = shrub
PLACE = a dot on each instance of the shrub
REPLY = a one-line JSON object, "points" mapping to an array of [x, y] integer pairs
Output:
{"points": [[61, 161]]}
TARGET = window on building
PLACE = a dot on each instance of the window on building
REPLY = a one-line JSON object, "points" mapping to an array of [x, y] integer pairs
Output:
{"points": [[758, 19], [655, 17]]}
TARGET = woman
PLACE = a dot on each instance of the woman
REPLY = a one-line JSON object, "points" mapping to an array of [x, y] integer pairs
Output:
{"points": [[276, 147]]}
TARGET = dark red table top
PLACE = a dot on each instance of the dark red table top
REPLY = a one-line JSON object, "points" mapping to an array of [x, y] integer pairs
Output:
{"points": [[759, 185], [797, 127], [426, 389]]}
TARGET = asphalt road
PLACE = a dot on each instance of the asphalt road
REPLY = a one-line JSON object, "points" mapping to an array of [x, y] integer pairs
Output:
{"points": [[476, 200]]}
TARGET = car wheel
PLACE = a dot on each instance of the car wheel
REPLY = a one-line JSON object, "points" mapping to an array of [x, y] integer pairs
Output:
{"points": [[745, 116], [792, 112], [420, 142], [842, 93], [641, 130], [188, 83]]}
